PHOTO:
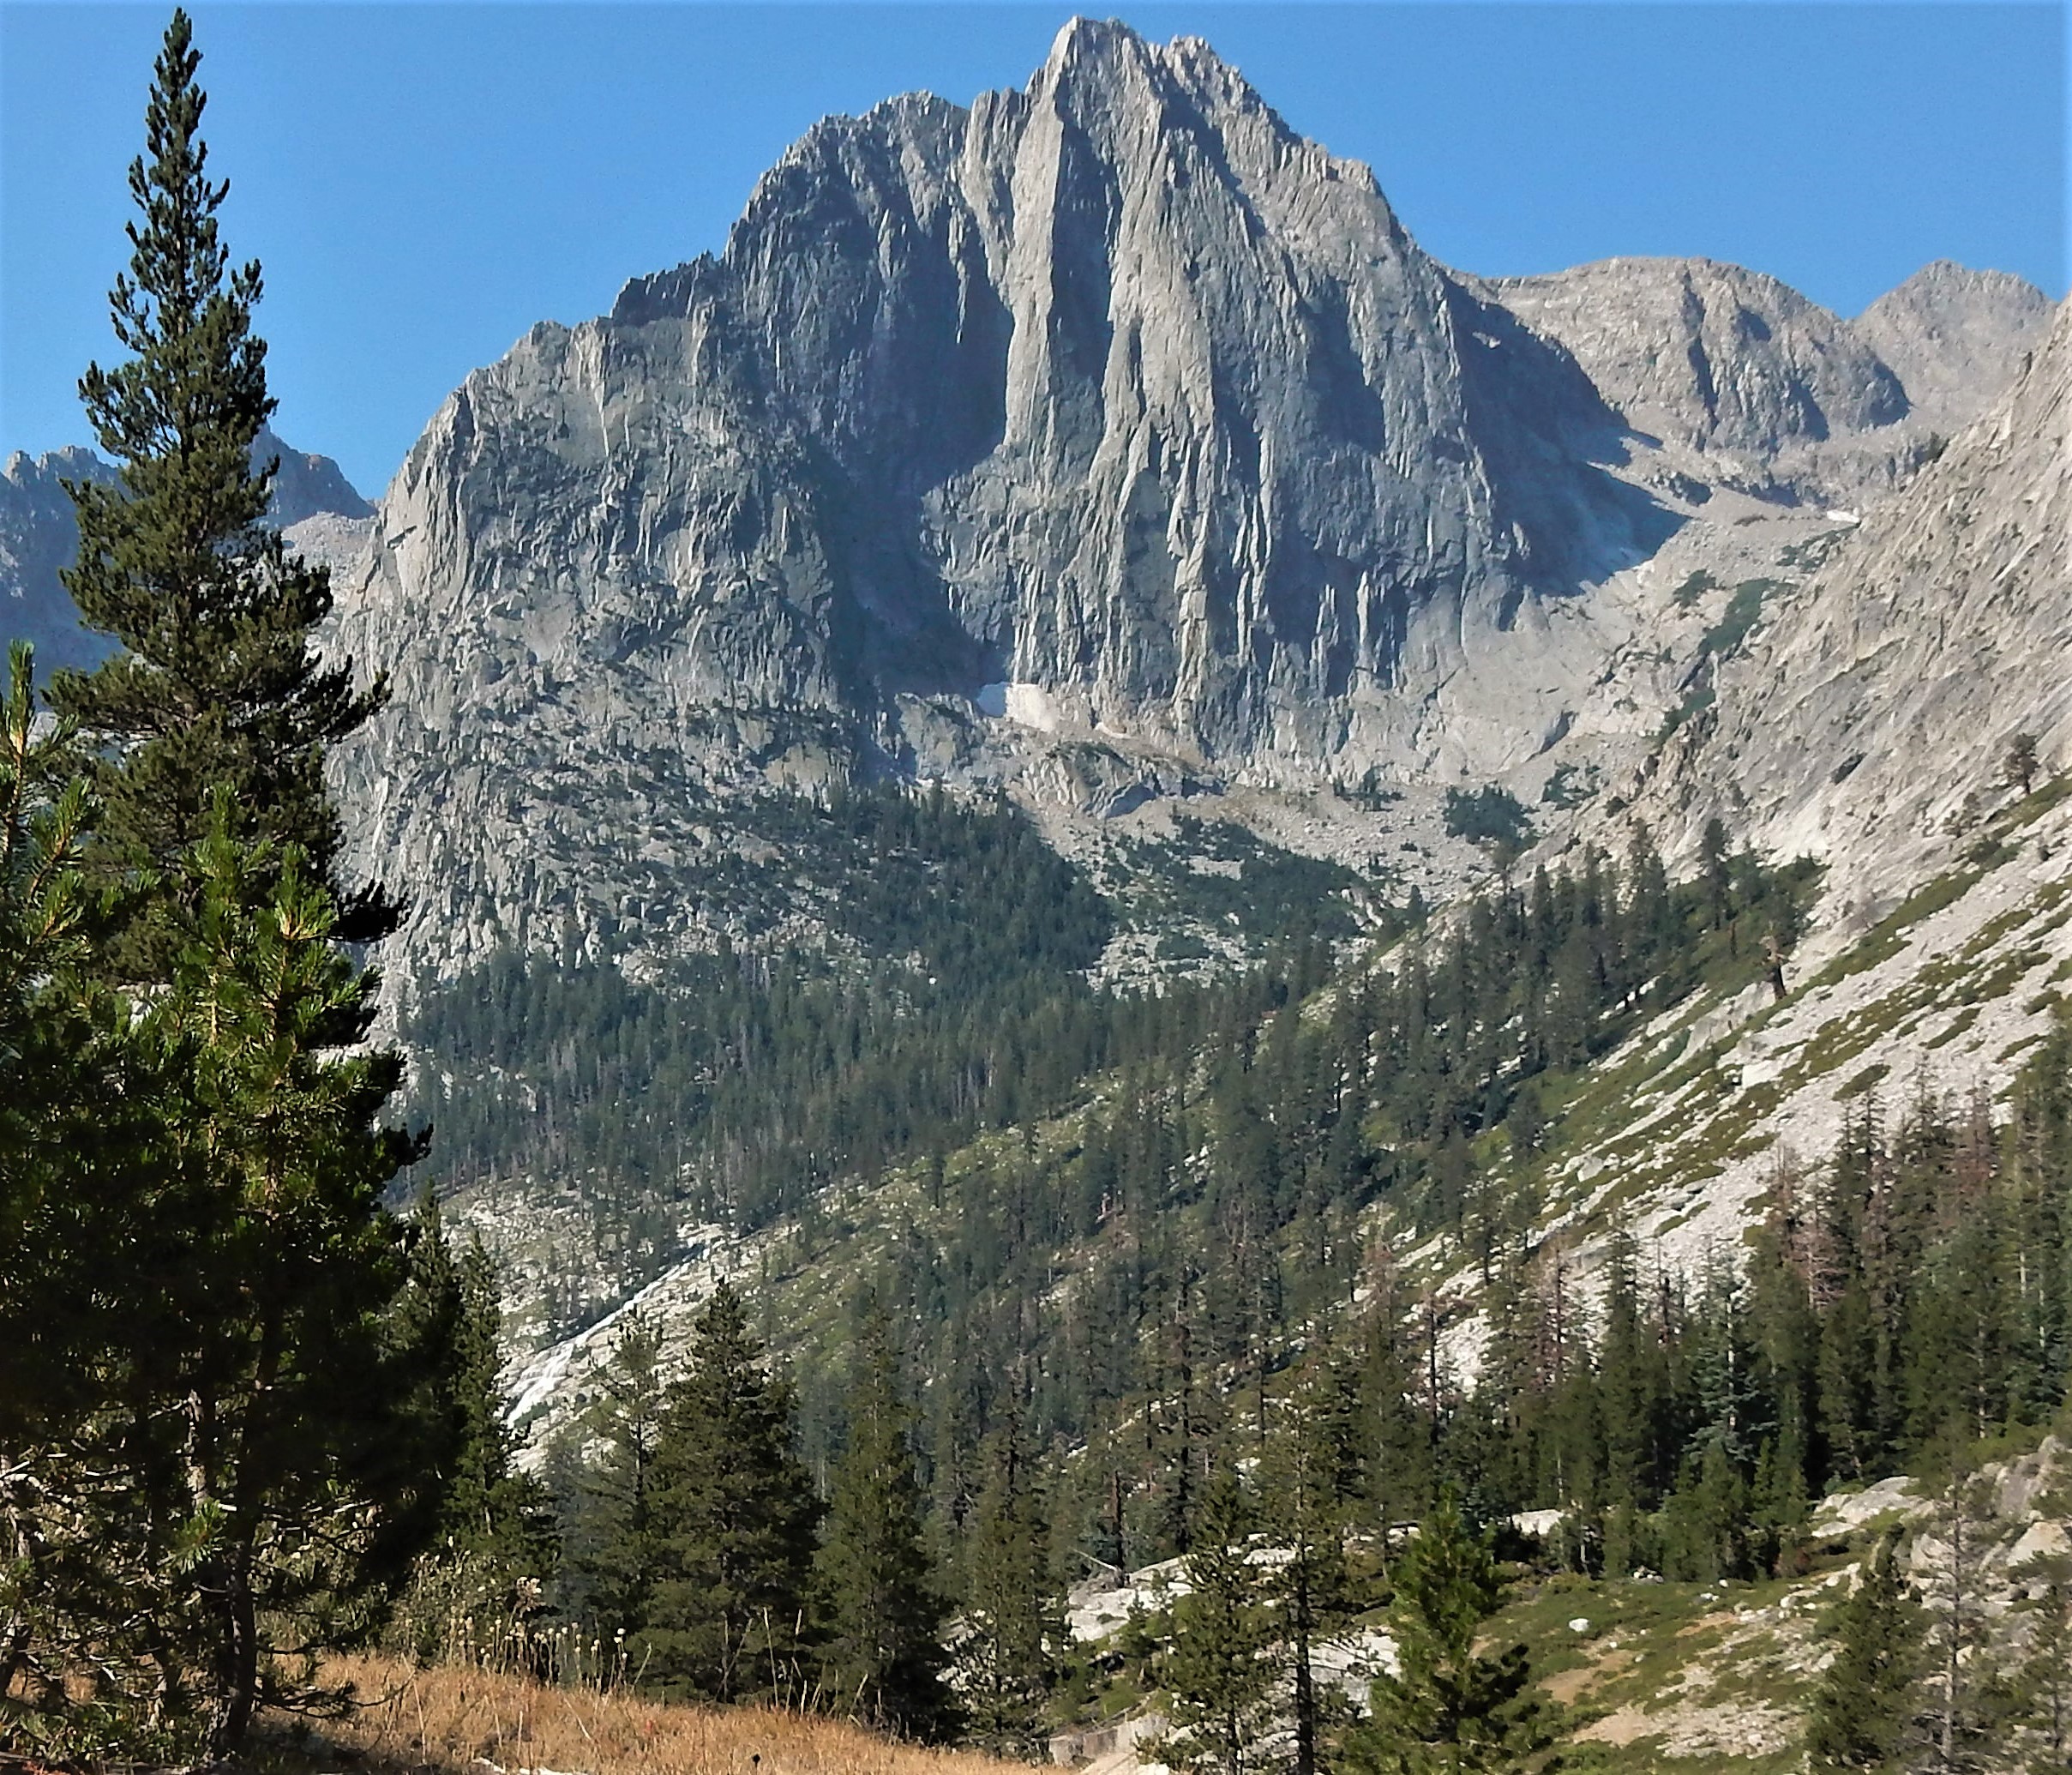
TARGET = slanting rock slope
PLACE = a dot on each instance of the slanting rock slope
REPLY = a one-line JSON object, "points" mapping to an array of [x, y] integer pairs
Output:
{"points": [[1883, 694], [1866, 727]]}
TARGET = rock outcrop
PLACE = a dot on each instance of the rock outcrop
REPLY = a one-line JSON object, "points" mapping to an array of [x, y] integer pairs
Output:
{"points": [[306, 486]]}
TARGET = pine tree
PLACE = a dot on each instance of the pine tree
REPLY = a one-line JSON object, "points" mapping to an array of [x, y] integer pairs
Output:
{"points": [[218, 683], [1219, 1675], [728, 1618], [1397, 1464], [2044, 1678], [48, 1040], [262, 1416], [1008, 1657], [1863, 1706], [884, 1658], [289, 1408], [1307, 1477], [611, 1531], [492, 1509], [1958, 1640], [1715, 871], [84, 1181], [1449, 1707], [2018, 764], [1706, 1523], [495, 1541], [1629, 1385]]}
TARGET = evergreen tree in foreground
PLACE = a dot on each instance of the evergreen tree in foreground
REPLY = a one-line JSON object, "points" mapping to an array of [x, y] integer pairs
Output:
{"points": [[735, 1512], [48, 1043], [81, 1187], [885, 1655], [1008, 1656], [1219, 1674], [248, 1447], [1863, 1707], [217, 1449], [1449, 1707], [238, 1459], [613, 1537], [217, 683], [291, 1457]]}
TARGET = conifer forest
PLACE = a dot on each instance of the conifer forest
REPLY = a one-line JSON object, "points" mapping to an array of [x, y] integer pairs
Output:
{"points": [[1183, 1302]]}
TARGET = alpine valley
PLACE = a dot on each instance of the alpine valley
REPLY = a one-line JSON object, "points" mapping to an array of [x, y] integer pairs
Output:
{"points": [[1074, 732]]}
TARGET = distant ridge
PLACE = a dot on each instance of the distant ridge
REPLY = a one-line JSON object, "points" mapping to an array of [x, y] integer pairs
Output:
{"points": [[38, 538]]}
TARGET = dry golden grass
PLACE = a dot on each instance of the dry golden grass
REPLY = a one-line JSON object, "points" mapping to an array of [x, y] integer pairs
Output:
{"points": [[452, 1722]]}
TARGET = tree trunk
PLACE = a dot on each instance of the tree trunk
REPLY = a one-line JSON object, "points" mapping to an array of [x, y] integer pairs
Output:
{"points": [[237, 1678], [240, 1676], [1947, 1745], [1306, 1688]]}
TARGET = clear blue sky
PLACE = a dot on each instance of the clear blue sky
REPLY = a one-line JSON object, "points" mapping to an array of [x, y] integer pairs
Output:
{"points": [[424, 181]]}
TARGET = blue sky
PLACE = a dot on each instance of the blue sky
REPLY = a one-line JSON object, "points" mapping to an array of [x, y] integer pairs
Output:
{"points": [[424, 181]]}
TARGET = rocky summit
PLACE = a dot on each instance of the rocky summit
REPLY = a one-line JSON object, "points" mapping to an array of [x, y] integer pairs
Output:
{"points": [[1110, 441]]}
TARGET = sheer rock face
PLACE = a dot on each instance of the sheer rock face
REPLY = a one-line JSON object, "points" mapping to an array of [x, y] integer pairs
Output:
{"points": [[1113, 388], [1885, 693]]}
